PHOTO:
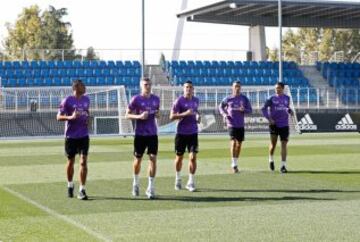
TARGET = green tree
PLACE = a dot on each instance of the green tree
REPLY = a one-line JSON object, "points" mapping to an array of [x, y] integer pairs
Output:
{"points": [[33, 32], [290, 46], [274, 54], [90, 54], [325, 41], [25, 34], [55, 34]]}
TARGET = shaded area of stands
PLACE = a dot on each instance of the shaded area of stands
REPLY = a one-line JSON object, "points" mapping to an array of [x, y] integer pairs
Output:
{"points": [[344, 77], [25, 123]]}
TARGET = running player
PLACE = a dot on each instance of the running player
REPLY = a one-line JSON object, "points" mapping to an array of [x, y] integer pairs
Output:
{"points": [[279, 106], [144, 108], [185, 109], [74, 110], [234, 108]]}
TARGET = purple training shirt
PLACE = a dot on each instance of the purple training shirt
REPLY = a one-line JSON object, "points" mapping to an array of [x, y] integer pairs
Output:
{"points": [[140, 104], [188, 124], [230, 109], [279, 109], [77, 128]]}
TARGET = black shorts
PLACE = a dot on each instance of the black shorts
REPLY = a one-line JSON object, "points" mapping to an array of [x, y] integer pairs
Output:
{"points": [[183, 142], [283, 132], [76, 146], [143, 142], [237, 133]]}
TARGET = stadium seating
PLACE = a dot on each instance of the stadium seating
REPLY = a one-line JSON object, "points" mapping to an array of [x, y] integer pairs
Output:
{"points": [[217, 73], [344, 77], [60, 73]]}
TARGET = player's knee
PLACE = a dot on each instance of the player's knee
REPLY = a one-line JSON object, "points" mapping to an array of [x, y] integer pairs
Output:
{"points": [[179, 157], [152, 157], [138, 155], [71, 161], [83, 164], [180, 154], [192, 157]]}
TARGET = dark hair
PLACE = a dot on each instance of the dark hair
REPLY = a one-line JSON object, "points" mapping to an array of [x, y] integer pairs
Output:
{"points": [[146, 79], [281, 84], [76, 83], [237, 82], [188, 82]]}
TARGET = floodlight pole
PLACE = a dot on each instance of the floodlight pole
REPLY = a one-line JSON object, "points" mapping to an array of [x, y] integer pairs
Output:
{"points": [[280, 42], [143, 40]]}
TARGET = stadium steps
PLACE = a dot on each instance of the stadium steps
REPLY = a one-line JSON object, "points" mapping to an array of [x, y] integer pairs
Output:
{"points": [[317, 81], [158, 76]]}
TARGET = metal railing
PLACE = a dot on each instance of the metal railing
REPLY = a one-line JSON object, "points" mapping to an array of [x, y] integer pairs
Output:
{"points": [[152, 55]]}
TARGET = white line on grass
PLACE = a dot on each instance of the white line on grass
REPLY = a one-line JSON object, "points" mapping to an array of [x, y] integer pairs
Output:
{"points": [[57, 215]]}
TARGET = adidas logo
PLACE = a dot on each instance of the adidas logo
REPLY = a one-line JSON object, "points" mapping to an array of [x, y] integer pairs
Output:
{"points": [[346, 123], [306, 123]]}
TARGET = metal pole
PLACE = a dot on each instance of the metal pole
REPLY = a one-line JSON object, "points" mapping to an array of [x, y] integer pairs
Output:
{"points": [[280, 43], [143, 40]]}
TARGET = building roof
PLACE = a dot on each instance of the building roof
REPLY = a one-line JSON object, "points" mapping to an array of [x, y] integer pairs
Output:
{"points": [[296, 13]]}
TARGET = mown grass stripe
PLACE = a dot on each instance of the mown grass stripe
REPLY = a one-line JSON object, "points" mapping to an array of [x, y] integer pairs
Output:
{"points": [[57, 215]]}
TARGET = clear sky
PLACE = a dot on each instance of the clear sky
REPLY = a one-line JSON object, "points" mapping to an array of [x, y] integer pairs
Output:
{"points": [[116, 24]]}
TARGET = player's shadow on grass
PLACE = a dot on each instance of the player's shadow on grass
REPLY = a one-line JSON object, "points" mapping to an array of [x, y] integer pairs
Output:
{"points": [[311, 191], [93, 198], [325, 172], [182, 198], [238, 199]]}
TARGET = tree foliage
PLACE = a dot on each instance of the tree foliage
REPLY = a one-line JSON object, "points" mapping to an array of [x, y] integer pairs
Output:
{"points": [[300, 44], [34, 32]]}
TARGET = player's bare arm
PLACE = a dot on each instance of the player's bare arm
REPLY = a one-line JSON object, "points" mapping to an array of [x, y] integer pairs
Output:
{"points": [[130, 115], [174, 116], [61, 117]]}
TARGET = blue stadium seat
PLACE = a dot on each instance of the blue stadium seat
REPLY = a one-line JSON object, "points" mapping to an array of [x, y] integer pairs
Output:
{"points": [[71, 72], [199, 64], [59, 64], [128, 64], [24, 64], [106, 72], [51, 64], [66, 81], [102, 64], [88, 72], [86, 64], [94, 64], [111, 64], [8, 65], [68, 64], [43, 65], [110, 80], [77, 64], [57, 81]]}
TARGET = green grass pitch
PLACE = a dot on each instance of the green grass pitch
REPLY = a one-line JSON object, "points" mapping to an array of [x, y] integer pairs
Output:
{"points": [[318, 200]]}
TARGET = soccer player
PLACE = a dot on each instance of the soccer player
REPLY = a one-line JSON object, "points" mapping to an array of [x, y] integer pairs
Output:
{"points": [[278, 123], [74, 110], [234, 108], [185, 109], [144, 109]]}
